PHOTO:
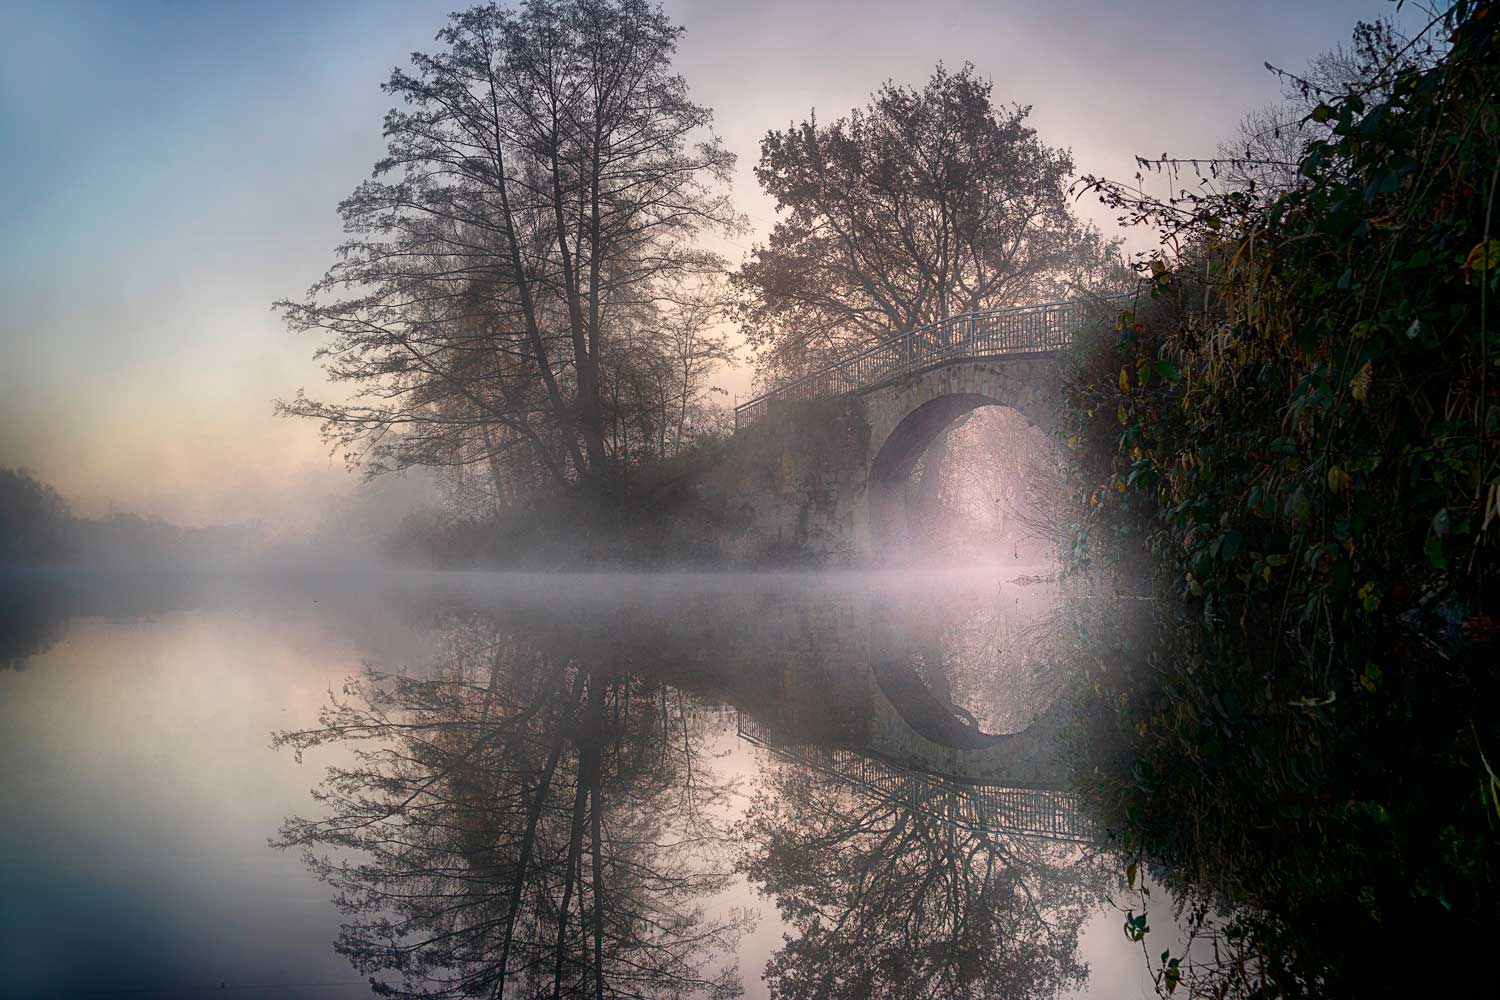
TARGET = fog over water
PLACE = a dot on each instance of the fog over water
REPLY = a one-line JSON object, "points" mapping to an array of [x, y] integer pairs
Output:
{"points": [[137, 716], [800, 500]]}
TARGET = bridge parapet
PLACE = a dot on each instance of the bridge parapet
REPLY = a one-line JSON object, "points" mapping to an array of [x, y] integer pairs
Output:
{"points": [[993, 333]]}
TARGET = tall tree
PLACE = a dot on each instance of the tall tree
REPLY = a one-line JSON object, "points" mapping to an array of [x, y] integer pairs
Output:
{"points": [[922, 205], [546, 174]]}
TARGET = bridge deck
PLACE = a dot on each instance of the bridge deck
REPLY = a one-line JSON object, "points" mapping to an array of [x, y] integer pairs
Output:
{"points": [[993, 333]]}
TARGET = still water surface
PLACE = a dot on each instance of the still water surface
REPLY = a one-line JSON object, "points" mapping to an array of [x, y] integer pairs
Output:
{"points": [[641, 785]]}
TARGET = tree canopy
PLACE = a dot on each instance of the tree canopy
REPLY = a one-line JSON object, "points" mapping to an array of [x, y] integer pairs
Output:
{"points": [[545, 179], [925, 203]]}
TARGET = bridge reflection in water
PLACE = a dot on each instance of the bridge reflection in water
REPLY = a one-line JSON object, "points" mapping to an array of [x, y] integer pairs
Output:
{"points": [[1043, 813], [545, 808]]}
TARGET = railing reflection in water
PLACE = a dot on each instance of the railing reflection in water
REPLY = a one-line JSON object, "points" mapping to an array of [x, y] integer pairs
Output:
{"points": [[1044, 813]]}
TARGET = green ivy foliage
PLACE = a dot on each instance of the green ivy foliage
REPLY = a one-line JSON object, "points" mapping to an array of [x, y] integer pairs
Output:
{"points": [[1294, 442]]}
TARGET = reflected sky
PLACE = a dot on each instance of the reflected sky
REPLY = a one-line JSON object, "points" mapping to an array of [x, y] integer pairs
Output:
{"points": [[140, 792], [141, 788]]}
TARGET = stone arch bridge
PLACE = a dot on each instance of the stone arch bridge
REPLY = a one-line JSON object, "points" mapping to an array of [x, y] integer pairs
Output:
{"points": [[821, 464]]}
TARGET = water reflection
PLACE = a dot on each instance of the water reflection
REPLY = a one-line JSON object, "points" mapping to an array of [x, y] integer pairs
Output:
{"points": [[782, 769], [888, 897], [527, 822], [547, 809]]}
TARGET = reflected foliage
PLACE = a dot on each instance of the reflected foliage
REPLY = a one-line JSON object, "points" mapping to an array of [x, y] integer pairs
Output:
{"points": [[517, 822], [539, 814], [889, 901], [28, 624]]}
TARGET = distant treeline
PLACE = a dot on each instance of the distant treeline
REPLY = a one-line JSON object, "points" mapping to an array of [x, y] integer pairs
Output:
{"points": [[659, 523], [37, 528]]}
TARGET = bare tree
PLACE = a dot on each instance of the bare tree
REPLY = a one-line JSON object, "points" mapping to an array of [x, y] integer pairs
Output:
{"points": [[546, 175], [659, 371], [922, 205], [1265, 155]]}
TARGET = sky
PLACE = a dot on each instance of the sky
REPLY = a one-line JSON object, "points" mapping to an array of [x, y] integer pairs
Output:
{"points": [[169, 169]]}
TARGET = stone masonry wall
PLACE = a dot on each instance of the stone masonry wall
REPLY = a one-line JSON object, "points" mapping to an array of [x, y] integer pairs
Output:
{"points": [[794, 482], [797, 483]]}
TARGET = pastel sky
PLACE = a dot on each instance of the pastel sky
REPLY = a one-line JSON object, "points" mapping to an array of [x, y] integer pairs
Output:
{"points": [[169, 169]]}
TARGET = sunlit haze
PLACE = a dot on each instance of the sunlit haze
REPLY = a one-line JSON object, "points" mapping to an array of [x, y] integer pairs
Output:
{"points": [[171, 169], [708, 500]]}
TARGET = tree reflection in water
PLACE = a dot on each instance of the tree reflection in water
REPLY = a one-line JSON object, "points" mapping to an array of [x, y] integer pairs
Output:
{"points": [[541, 815], [522, 823], [886, 900]]}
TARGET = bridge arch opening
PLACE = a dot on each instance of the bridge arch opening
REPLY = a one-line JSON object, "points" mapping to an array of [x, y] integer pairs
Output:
{"points": [[983, 474]]}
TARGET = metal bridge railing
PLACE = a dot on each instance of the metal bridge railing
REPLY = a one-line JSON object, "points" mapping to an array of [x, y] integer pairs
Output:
{"points": [[1044, 813], [992, 333]]}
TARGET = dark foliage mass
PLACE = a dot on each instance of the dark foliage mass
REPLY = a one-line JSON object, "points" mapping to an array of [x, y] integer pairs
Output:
{"points": [[33, 519], [656, 519], [1299, 433]]}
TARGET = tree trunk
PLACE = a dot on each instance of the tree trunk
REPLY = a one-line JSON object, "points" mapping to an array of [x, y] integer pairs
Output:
{"points": [[575, 848], [589, 767], [923, 512], [596, 819], [497, 475], [528, 843]]}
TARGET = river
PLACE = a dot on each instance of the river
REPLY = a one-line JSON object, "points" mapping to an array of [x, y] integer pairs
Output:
{"points": [[841, 785]]}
